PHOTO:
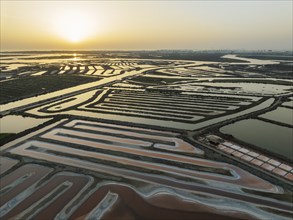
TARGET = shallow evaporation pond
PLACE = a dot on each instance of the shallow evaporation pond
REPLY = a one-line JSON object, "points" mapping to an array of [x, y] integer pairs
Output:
{"points": [[16, 123], [274, 138], [288, 104], [254, 87], [249, 60], [283, 115], [66, 91]]}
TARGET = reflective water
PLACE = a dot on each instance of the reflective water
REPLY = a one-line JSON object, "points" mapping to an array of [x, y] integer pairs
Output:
{"points": [[271, 137], [64, 92], [251, 61], [22, 60], [283, 115], [288, 104], [234, 87], [16, 123], [74, 101], [260, 88]]}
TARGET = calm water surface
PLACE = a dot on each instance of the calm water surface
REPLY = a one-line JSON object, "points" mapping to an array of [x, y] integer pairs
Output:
{"points": [[274, 138], [283, 115], [16, 123]]}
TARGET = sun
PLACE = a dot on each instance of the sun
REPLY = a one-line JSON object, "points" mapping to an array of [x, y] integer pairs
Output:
{"points": [[73, 26]]}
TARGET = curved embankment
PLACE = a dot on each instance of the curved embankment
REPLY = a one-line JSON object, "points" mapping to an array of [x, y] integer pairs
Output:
{"points": [[127, 154], [31, 192], [116, 201], [24, 196], [69, 92]]}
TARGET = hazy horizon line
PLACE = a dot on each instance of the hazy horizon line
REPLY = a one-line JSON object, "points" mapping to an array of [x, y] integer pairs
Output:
{"points": [[141, 50]]}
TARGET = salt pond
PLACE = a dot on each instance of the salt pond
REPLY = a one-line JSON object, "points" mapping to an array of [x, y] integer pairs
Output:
{"points": [[283, 115], [271, 137], [288, 104], [259, 88], [16, 123]]}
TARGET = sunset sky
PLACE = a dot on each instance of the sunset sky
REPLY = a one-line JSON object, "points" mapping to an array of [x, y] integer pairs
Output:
{"points": [[94, 25]]}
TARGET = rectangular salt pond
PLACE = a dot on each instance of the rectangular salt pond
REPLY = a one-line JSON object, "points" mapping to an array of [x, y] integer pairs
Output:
{"points": [[271, 137], [283, 115], [288, 104]]}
